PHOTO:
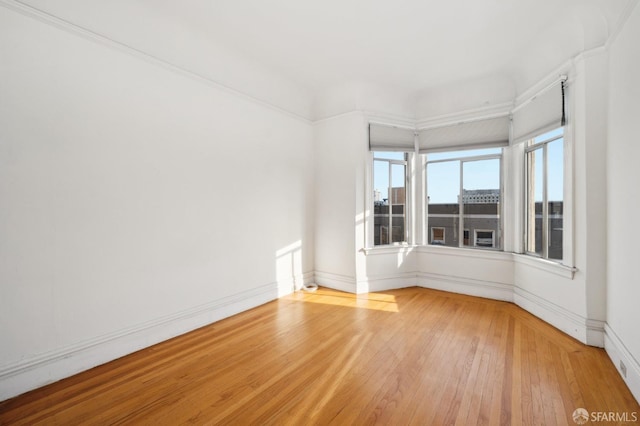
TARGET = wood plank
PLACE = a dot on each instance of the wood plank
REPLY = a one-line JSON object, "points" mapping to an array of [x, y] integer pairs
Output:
{"points": [[408, 356]]}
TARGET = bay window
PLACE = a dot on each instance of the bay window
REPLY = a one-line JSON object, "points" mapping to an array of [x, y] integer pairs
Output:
{"points": [[446, 179]]}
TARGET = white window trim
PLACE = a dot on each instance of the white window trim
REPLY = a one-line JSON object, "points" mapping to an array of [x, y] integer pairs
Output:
{"points": [[568, 260], [492, 255], [399, 248], [425, 207], [547, 265], [369, 238]]}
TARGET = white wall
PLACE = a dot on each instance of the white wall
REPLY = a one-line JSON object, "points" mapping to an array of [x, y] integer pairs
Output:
{"points": [[338, 142], [474, 272], [623, 173], [136, 203], [589, 123], [162, 30], [574, 302], [555, 295]]}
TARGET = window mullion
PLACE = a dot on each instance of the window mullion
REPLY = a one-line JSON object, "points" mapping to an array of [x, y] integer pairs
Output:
{"points": [[390, 195], [545, 206], [461, 207], [408, 198]]}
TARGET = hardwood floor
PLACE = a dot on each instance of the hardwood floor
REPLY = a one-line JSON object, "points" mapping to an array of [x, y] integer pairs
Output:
{"points": [[409, 356]]}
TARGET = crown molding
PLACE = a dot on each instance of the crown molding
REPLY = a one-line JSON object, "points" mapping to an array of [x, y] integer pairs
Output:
{"points": [[624, 17], [336, 116], [72, 28], [485, 112], [390, 119]]}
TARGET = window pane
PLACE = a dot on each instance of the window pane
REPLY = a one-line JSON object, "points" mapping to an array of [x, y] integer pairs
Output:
{"points": [[397, 202], [380, 182], [549, 135], [443, 183], [534, 201], [381, 202], [380, 224], [389, 201], [481, 201], [555, 179]]}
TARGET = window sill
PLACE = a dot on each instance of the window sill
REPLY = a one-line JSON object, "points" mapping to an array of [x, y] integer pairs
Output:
{"points": [[388, 249], [545, 265], [523, 259], [478, 253]]}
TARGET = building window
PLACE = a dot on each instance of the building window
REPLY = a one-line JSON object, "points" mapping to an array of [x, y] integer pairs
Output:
{"points": [[544, 195], [484, 238], [437, 236], [463, 197], [389, 197]]}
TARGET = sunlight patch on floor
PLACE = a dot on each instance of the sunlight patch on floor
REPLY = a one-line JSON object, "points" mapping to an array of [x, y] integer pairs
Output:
{"points": [[374, 301]]}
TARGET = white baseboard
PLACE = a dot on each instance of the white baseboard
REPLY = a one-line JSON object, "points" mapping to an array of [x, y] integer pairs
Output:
{"points": [[37, 371], [387, 282], [289, 284], [471, 287], [306, 279], [588, 331], [618, 352], [336, 281]]}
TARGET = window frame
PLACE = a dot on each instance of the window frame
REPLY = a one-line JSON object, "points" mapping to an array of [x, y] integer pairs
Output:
{"points": [[408, 198], [530, 146], [461, 228]]}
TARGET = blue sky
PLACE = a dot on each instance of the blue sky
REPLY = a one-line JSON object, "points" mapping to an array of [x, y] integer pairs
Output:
{"points": [[443, 178]]}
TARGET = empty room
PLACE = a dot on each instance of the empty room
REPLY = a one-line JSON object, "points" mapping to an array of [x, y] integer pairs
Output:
{"points": [[292, 212]]}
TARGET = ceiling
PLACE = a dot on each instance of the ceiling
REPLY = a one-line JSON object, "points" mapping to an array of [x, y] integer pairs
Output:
{"points": [[415, 46]]}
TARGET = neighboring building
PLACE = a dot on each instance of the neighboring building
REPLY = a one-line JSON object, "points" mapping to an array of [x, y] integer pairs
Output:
{"points": [[481, 220], [381, 217], [480, 196], [377, 196], [481, 225], [398, 196], [555, 229]]}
